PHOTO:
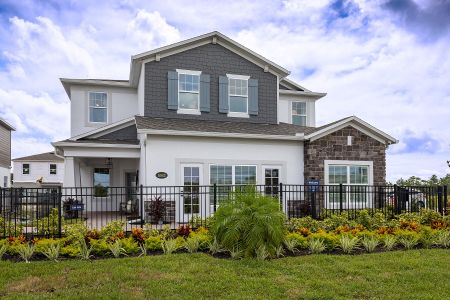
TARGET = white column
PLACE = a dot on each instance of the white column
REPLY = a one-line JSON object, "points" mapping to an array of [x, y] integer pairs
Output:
{"points": [[69, 172], [143, 161]]}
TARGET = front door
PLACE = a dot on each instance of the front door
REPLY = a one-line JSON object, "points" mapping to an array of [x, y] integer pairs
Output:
{"points": [[271, 180], [190, 196], [130, 205]]}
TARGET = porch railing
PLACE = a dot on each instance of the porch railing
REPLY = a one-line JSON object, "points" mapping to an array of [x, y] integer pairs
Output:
{"points": [[45, 211]]}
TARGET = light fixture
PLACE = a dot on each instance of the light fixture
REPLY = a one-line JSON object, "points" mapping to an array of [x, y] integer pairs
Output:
{"points": [[109, 163]]}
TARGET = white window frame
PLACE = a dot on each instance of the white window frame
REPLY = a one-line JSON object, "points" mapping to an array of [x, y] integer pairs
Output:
{"points": [[305, 115], [237, 114], [29, 169], [89, 107], [233, 172], [347, 163], [189, 111], [50, 169]]}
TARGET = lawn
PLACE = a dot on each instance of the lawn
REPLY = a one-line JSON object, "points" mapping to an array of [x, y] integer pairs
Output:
{"points": [[415, 274]]}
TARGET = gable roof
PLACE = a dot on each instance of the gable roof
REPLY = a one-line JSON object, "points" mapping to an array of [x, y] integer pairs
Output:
{"points": [[6, 125], [214, 37], [46, 156]]}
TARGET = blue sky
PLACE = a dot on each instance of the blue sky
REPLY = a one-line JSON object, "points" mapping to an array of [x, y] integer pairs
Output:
{"points": [[385, 61]]}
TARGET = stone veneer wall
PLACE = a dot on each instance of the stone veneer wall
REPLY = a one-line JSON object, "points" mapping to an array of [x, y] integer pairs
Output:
{"points": [[334, 147]]}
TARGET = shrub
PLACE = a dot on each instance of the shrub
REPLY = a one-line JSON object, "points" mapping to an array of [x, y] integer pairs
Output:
{"points": [[169, 246], [249, 220], [214, 247], [348, 243], [42, 245], [184, 231], [203, 236], [10, 228], [236, 253], [70, 251], [49, 225], [427, 236], [113, 230], [197, 221], [84, 252], [295, 241], [370, 243], [157, 209], [116, 249], [329, 240], [150, 231], [99, 247], [334, 221], [429, 216], [294, 224], [262, 253], [75, 232], [407, 239], [279, 252], [26, 252], [138, 235], [153, 243], [130, 245], [316, 245]]}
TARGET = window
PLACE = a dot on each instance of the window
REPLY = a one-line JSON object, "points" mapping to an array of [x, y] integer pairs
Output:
{"points": [[354, 174], [25, 169], [271, 181], [238, 94], [98, 107], [101, 182], [188, 90], [226, 176], [299, 113], [52, 169]]}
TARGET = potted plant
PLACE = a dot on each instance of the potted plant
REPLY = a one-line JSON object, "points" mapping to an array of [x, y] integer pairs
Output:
{"points": [[157, 209]]}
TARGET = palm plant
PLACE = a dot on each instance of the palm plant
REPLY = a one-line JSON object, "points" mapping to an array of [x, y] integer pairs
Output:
{"points": [[26, 252], [347, 243], [52, 251], [249, 220]]}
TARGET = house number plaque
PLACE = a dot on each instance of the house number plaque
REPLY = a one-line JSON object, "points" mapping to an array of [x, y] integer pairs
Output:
{"points": [[161, 175]]}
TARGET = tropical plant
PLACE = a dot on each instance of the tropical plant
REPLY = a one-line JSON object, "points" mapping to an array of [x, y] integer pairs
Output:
{"points": [[370, 243], [249, 220], [75, 232], [214, 247], [348, 243], [169, 246], [153, 243], [113, 230], [443, 238], [389, 242], [49, 225], [116, 249], [142, 250], [3, 249], [84, 252], [291, 245], [262, 253], [279, 252], [52, 251], [157, 209], [192, 244], [184, 230], [26, 252], [316, 245], [408, 241], [236, 253]]}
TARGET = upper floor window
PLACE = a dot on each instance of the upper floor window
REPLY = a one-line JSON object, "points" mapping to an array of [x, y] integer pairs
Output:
{"points": [[299, 113], [238, 94], [98, 107], [52, 169], [189, 90], [25, 169]]}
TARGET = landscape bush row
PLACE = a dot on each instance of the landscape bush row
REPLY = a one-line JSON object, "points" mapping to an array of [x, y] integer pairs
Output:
{"points": [[246, 225]]}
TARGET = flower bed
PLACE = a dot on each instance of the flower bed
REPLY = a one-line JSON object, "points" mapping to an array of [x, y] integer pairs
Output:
{"points": [[363, 233]]}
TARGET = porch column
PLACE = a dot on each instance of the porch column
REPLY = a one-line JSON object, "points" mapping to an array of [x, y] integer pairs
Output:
{"points": [[69, 172]]}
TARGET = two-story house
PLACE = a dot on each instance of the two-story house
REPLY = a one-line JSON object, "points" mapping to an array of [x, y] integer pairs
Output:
{"points": [[5, 153], [38, 170], [207, 111]]}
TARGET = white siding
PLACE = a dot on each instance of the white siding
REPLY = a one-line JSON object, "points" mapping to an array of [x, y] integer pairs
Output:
{"points": [[122, 104], [285, 109], [165, 154], [38, 169], [5, 172]]}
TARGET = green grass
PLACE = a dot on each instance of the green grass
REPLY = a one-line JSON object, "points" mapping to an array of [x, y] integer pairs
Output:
{"points": [[415, 274]]}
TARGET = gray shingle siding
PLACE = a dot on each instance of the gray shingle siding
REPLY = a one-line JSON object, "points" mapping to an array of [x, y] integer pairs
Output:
{"points": [[216, 61], [128, 133], [5, 147]]}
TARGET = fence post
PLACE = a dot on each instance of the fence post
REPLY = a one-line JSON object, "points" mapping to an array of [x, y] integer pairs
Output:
{"points": [[141, 204], [313, 204], [215, 196], [59, 211], [445, 199], [281, 197], [341, 196], [397, 208], [440, 200]]}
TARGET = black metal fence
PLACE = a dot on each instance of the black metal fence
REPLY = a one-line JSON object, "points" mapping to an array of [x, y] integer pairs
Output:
{"points": [[45, 211]]}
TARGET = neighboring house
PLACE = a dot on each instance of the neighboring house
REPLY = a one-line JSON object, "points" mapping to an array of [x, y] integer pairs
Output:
{"points": [[209, 111], [39, 170], [5, 153]]}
